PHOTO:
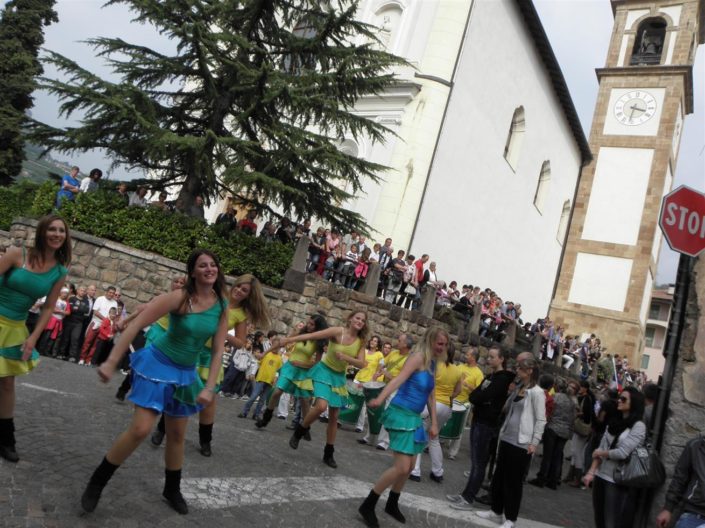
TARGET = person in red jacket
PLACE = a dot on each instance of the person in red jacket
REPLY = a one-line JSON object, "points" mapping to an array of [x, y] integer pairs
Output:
{"points": [[106, 332]]}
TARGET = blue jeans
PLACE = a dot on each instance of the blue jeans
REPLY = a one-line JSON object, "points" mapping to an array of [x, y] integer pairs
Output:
{"points": [[480, 442], [259, 392], [690, 520]]}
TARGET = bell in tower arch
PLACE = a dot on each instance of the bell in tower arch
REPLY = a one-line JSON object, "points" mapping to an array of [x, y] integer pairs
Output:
{"points": [[648, 45]]}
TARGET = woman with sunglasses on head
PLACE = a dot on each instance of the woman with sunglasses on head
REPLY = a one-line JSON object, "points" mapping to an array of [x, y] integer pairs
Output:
{"points": [[165, 371], [25, 276], [611, 503], [294, 377], [345, 347], [519, 436]]}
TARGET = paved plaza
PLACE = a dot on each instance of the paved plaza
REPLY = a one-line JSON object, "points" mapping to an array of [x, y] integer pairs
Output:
{"points": [[66, 420]]}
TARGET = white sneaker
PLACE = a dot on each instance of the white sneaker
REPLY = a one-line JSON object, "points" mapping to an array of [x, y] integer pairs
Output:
{"points": [[508, 524], [466, 474], [81, 362], [491, 516]]}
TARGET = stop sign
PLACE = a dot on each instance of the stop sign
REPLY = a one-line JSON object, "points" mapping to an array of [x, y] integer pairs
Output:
{"points": [[682, 220]]}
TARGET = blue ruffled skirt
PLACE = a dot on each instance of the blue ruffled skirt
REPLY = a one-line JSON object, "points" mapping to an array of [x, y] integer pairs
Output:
{"points": [[162, 385]]}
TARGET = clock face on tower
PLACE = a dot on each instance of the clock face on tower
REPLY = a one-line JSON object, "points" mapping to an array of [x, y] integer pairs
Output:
{"points": [[635, 107]]}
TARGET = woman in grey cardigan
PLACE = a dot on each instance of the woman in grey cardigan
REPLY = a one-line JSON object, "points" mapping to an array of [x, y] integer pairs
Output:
{"points": [[525, 419], [611, 503]]}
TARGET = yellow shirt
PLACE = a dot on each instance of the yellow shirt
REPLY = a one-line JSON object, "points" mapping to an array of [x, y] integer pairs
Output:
{"points": [[394, 363], [270, 364], [364, 375], [303, 351], [472, 377], [350, 350], [447, 376], [235, 317]]}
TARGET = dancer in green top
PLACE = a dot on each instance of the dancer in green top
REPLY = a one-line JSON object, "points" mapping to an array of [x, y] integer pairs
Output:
{"points": [[345, 346], [164, 373], [25, 276]]}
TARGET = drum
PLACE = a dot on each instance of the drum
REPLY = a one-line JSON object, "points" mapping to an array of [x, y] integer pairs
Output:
{"points": [[453, 429], [372, 389], [356, 399]]}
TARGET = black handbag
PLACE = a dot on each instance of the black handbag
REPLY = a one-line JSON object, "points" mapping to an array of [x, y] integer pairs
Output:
{"points": [[642, 469]]}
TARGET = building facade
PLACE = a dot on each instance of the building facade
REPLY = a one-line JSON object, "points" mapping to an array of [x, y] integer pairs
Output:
{"points": [[613, 245], [652, 360]]}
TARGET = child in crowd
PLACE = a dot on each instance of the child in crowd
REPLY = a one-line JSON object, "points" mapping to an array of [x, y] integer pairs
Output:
{"points": [[52, 332], [266, 375], [106, 332]]}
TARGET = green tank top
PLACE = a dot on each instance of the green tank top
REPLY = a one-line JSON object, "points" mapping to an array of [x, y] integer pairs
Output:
{"points": [[303, 351], [20, 289], [235, 317], [188, 333], [349, 350]]}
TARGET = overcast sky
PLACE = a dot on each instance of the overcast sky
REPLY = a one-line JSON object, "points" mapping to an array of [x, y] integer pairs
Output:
{"points": [[579, 31]]}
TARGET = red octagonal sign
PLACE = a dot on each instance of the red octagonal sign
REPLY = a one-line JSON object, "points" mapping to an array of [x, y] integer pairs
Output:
{"points": [[683, 220]]}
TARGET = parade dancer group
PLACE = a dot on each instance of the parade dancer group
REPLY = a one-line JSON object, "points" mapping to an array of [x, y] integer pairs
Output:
{"points": [[177, 372]]}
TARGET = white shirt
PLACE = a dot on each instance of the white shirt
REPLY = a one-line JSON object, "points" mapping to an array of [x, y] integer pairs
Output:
{"points": [[88, 185], [102, 305], [136, 200]]}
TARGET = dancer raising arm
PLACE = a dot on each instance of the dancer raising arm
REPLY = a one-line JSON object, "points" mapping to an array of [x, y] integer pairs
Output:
{"points": [[403, 420], [164, 372], [294, 377], [345, 346], [25, 276]]}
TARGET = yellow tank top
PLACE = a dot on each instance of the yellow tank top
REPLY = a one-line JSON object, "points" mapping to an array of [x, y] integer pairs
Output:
{"points": [[235, 317], [303, 351], [349, 350], [163, 321]]}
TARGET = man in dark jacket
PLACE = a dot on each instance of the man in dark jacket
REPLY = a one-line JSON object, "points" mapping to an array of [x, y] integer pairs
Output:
{"points": [[487, 400], [687, 488], [70, 344]]}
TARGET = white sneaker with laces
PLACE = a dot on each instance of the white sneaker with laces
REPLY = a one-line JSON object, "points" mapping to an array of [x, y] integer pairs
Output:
{"points": [[491, 516], [508, 524]]}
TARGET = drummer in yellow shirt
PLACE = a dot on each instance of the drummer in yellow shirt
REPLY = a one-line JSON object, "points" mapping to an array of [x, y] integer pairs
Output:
{"points": [[387, 370], [448, 386], [372, 357], [471, 378]]}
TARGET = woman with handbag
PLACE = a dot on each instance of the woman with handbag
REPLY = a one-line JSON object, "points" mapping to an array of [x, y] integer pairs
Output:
{"points": [[611, 502]]}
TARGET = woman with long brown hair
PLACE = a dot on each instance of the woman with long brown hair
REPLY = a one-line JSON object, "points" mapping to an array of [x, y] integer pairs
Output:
{"points": [[164, 373], [345, 347], [25, 276]]}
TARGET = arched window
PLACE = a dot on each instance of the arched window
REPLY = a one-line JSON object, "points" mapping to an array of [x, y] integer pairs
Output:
{"points": [[387, 21], [563, 223], [542, 186], [295, 62], [515, 138], [649, 42]]}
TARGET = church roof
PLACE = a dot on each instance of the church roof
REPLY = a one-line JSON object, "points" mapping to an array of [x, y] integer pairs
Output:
{"points": [[533, 22]]}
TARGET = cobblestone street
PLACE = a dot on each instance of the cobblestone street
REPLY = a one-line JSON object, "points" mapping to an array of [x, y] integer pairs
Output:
{"points": [[66, 420]]}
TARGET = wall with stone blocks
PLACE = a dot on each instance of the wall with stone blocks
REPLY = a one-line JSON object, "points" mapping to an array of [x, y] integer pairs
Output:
{"points": [[141, 275]]}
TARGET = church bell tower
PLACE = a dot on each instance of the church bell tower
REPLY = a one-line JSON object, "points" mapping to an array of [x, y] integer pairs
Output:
{"points": [[646, 89]]}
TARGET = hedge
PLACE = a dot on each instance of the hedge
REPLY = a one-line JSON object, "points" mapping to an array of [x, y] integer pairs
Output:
{"points": [[104, 214]]}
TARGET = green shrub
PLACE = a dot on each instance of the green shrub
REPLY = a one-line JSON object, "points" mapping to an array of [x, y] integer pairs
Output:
{"points": [[104, 214], [16, 200]]}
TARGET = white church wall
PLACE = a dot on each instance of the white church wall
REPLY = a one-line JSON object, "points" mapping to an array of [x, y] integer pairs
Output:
{"points": [[601, 281], [478, 220]]}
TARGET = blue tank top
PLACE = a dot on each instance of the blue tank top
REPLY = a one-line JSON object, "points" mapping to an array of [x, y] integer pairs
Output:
{"points": [[414, 392]]}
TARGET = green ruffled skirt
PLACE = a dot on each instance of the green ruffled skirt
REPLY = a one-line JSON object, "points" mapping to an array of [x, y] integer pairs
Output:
{"points": [[405, 428], [329, 385], [295, 381]]}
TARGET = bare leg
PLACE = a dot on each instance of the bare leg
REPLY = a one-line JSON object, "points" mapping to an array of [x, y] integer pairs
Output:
{"points": [[332, 429], [175, 434], [314, 412], [207, 414], [142, 424], [305, 405], [274, 399], [7, 397], [398, 473]]}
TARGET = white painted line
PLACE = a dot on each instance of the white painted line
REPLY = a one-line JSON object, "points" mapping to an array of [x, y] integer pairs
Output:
{"points": [[46, 389], [220, 493]]}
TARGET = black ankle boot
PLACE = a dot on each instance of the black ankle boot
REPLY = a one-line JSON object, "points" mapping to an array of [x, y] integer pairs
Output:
{"points": [[367, 510], [7, 440], [205, 435], [328, 456], [100, 477], [392, 507], [266, 418], [172, 491], [299, 432]]}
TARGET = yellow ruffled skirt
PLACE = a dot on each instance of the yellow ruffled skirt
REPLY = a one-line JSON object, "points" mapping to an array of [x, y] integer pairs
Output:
{"points": [[12, 335]]}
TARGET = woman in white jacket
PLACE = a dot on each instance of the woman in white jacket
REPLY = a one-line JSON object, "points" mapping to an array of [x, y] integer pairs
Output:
{"points": [[521, 432]]}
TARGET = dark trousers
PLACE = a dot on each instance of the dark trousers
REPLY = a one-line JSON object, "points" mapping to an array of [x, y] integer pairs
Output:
{"points": [[508, 480], [71, 339], [233, 381], [612, 504], [552, 461], [102, 350], [480, 442]]}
